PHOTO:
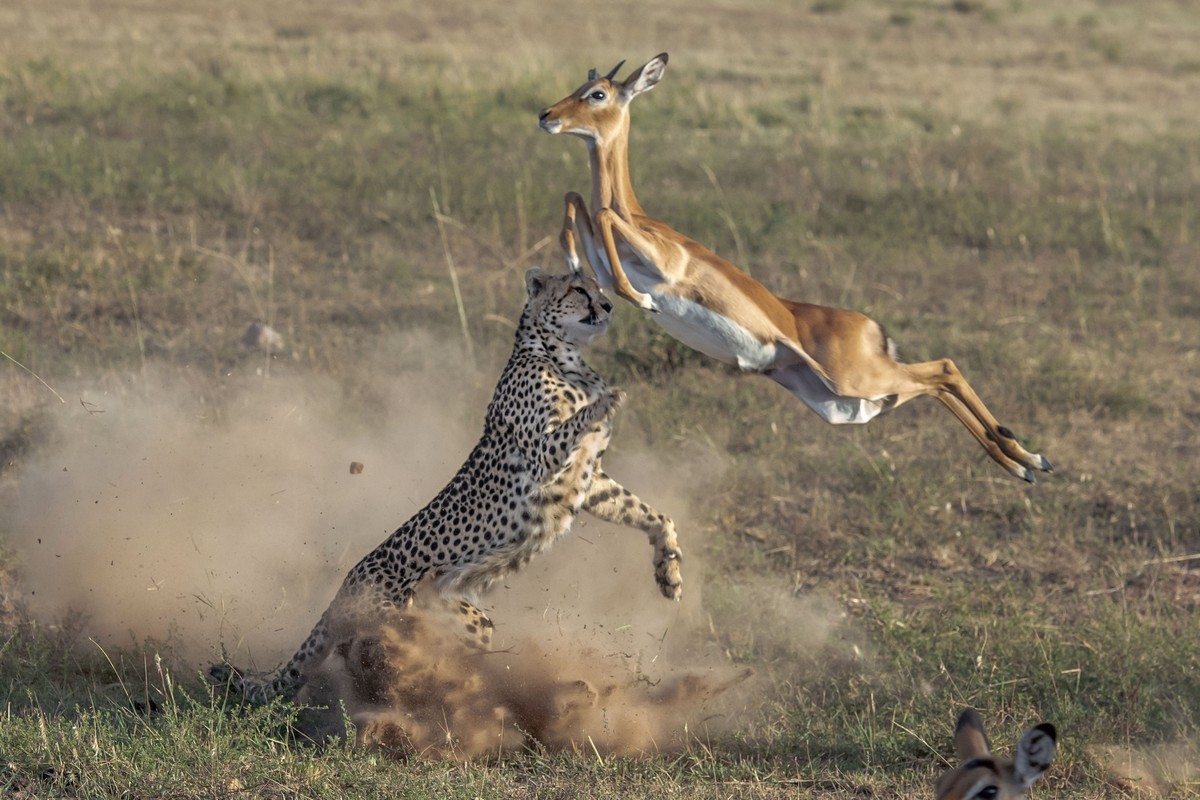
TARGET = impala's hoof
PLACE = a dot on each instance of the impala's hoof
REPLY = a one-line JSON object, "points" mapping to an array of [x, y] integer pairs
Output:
{"points": [[644, 302], [1021, 471], [1046, 466]]}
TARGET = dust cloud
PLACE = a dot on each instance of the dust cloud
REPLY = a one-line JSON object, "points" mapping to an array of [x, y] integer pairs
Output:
{"points": [[157, 518], [157, 515], [1151, 771], [413, 686]]}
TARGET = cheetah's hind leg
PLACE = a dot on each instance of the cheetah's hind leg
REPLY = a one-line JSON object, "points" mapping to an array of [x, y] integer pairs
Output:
{"points": [[224, 677], [477, 625]]}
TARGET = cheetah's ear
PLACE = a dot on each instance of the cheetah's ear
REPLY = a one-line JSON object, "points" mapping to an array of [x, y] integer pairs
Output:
{"points": [[535, 281]]}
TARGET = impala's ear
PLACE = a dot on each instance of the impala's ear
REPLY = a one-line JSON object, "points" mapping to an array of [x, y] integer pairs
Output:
{"points": [[535, 281], [644, 77], [1035, 751], [970, 741]]}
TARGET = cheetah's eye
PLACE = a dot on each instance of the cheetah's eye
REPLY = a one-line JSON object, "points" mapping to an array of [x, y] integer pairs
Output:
{"points": [[582, 291]]}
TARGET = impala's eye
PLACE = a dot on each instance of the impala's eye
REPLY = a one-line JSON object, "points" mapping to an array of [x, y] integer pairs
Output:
{"points": [[598, 95]]}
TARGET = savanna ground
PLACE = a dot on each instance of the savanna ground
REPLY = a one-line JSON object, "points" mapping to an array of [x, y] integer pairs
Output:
{"points": [[1010, 183]]}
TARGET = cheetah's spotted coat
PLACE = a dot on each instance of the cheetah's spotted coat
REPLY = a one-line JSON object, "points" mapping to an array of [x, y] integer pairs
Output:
{"points": [[535, 466]]}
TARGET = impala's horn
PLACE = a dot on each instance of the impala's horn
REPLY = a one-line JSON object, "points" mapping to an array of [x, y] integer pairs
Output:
{"points": [[612, 73], [593, 74]]}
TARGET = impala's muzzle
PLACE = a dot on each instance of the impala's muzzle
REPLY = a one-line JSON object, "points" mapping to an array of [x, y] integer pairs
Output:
{"points": [[549, 125]]}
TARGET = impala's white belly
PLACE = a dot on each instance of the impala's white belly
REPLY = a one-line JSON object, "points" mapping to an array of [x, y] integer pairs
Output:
{"points": [[803, 381], [713, 334], [722, 338]]}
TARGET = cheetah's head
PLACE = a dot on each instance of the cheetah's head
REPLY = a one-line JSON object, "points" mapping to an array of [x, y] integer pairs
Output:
{"points": [[571, 306]]}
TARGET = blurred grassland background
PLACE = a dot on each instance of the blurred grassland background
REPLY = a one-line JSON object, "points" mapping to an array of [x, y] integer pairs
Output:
{"points": [[1009, 183]]}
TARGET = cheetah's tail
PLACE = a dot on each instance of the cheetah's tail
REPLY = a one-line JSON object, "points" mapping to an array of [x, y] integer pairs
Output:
{"points": [[225, 678]]}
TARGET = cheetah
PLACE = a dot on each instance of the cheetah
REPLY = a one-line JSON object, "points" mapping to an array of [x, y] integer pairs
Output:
{"points": [[535, 467], [982, 776]]}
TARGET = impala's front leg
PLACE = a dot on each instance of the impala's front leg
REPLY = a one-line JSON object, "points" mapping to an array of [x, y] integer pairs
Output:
{"points": [[577, 223], [612, 502], [607, 219]]}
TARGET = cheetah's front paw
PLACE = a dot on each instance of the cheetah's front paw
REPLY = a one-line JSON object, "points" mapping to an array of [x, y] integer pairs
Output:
{"points": [[606, 406], [666, 572]]}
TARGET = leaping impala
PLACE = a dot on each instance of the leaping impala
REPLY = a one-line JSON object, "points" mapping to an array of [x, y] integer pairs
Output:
{"points": [[841, 363]]}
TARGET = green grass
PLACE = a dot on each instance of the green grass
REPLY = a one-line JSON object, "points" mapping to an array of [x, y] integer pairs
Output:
{"points": [[150, 209]]}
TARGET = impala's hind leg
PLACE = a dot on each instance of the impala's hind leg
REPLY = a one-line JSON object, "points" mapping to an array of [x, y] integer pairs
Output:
{"points": [[943, 380]]}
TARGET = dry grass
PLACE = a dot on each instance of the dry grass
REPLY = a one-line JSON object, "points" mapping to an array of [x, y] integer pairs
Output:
{"points": [[1131, 68], [1011, 184]]}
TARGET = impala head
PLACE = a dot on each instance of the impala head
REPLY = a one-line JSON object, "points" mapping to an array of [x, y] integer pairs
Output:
{"points": [[602, 104], [982, 776]]}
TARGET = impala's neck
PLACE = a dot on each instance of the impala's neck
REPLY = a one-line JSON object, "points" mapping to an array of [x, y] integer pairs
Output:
{"points": [[611, 187]]}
